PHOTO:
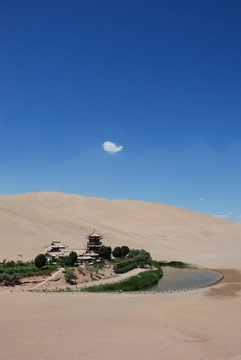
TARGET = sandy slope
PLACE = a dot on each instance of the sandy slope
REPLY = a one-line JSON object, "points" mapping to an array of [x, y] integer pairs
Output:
{"points": [[30, 221], [203, 324]]}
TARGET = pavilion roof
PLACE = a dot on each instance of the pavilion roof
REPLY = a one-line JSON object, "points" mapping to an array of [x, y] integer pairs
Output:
{"points": [[91, 254], [53, 254], [55, 244], [95, 234], [84, 257]]}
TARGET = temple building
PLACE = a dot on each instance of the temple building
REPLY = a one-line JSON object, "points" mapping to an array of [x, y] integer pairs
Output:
{"points": [[54, 250], [57, 250]]}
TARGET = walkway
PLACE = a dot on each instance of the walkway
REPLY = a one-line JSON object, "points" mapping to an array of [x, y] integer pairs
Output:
{"points": [[111, 280], [95, 282], [49, 278]]}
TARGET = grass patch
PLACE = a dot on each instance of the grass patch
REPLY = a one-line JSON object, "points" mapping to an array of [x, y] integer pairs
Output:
{"points": [[28, 270], [133, 283], [176, 264]]}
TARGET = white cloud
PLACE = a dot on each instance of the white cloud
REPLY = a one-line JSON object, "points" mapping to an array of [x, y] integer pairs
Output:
{"points": [[222, 216], [111, 147], [229, 216]]}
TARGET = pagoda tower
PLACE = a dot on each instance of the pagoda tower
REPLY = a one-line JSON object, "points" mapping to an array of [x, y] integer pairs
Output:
{"points": [[94, 242]]}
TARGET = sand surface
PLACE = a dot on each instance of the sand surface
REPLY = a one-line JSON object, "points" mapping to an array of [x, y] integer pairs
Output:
{"points": [[203, 324]]}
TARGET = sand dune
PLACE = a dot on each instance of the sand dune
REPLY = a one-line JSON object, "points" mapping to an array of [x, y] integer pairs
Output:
{"points": [[203, 324], [30, 221]]}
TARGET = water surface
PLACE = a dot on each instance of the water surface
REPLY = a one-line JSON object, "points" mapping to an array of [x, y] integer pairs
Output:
{"points": [[178, 279]]}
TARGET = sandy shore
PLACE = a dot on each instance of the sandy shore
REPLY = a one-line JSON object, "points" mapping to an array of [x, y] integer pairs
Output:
{"points": [[200, 324]]}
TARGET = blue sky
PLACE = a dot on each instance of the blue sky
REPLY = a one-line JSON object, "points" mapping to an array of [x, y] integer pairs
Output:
{"points": [[162, 79]]}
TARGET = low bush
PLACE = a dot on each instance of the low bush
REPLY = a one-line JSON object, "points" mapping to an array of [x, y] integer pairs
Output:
{"points": [[125, 266], [177, 264], [27, 270], [10, 276], [69, 276], [123, 263]]}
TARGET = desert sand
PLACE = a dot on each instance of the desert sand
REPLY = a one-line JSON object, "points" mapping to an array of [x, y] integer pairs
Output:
{"points": [[202, 324]]}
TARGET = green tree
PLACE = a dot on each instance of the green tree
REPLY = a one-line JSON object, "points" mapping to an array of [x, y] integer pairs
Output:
{"points": [[117, 252], [142, 257], [73, 258], [105, 252], [124, 251], [133, 253], [40, 261]]}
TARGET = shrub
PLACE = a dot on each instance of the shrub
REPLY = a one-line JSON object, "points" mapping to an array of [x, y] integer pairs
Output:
{"points": [[10, 264], [80, 270], [177, 264], [124, 269], [19, 263], [10, 276], [91, 271], [32, 270], [125, 266], [69, 275], [123, 263], [40, 261]]}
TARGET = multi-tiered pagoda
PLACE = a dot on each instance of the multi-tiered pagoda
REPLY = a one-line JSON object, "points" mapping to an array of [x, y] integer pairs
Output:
{"points": [[94, 242]]}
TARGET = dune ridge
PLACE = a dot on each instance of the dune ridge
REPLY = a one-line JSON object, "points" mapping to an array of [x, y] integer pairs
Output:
{"points": [[30, 221]]}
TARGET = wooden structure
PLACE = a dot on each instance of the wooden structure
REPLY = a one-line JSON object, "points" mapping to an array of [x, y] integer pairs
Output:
{"points": [[94, 242], [57, 250]]}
